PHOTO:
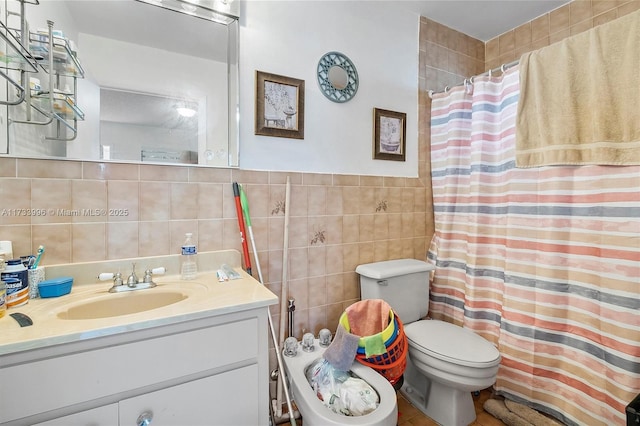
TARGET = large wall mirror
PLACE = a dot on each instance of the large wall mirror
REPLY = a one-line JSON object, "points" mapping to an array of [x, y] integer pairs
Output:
{"points": [[157, 85]]}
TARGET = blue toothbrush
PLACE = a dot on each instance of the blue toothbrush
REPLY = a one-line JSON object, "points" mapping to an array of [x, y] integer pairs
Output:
{"points": [[38, 257]]}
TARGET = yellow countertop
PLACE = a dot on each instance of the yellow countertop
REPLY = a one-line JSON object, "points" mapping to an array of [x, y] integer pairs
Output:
{"points": [[206, 297]]}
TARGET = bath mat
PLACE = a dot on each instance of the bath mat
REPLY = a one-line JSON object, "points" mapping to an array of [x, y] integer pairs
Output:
{"points": [[499, 410], [515, 414], [529, 414]]}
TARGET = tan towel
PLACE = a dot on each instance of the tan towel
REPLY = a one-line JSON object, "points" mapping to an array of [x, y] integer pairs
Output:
{"points": [[580, 99]]}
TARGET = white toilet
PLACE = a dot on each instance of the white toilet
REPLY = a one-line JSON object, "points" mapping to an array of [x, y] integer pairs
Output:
{"points": [[315, 413], [446, 362]]}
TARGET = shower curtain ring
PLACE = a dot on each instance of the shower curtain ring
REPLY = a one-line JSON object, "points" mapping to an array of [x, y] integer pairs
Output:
{"points": [[503, 68], [446, 89], [467, 86], [430, 92]]}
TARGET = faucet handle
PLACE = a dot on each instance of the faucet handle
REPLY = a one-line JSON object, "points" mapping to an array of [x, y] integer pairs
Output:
{"points": [[147, 276], [117, 279], [106, 276], [149, 273], [160, 270]]}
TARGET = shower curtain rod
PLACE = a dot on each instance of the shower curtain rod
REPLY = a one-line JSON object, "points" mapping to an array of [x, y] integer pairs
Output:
{"points": [[502, 68]]}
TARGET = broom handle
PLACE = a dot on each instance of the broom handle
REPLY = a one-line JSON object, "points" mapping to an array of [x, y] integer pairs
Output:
{"points": [[247, 218], [284, 294], [243, 233]]}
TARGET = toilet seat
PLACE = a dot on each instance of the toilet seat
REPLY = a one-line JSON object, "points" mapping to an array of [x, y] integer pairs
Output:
{"points": [[451, 343]]}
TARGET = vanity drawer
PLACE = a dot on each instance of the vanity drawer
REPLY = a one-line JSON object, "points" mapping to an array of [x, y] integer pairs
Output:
{"points": [[127, 369]]}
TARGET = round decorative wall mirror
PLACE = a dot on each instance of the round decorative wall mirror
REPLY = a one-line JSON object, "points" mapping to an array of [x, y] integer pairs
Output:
{"points": [[337, 77]]}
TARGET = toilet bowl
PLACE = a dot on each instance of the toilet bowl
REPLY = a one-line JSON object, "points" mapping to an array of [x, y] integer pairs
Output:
{"points": [[312, 409], [445, 362]]}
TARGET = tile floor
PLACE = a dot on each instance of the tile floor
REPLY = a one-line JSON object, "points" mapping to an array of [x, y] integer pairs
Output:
{"points": [[408, 415]]}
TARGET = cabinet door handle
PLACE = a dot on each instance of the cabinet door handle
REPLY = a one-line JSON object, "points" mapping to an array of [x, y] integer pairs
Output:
{"points": [[144, 419]]}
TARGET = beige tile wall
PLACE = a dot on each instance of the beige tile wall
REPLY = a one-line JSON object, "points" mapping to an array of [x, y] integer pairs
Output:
{"points": [[570, 19], [89, 211], [447, 56]]}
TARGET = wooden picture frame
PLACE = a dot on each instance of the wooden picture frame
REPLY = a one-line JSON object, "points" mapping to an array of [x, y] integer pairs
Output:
{"points": [[389, 130], [279, 106]]}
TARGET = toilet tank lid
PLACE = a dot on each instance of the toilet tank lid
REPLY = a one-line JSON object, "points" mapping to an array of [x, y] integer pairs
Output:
{"points": [[393, 268]]}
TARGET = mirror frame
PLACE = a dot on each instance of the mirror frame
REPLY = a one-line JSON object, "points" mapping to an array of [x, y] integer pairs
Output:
{"points": [[233, 87]]}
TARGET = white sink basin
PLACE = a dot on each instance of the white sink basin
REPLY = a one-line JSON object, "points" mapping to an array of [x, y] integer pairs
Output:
{"points": [[113, 305]]}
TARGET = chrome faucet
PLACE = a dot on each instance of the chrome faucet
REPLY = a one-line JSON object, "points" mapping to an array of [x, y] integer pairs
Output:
{"points": [[133, 282]]}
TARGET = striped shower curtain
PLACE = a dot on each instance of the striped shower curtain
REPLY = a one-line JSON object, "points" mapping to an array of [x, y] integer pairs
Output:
{"points": [[543, 262]]}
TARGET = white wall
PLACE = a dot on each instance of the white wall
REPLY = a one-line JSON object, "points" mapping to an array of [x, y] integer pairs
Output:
{"points": [[288, 38]]}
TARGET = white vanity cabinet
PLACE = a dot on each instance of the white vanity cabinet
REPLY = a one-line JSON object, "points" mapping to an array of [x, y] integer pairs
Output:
{"points": [[203, 371], [107, 415], [224, 399], [200, 402]]}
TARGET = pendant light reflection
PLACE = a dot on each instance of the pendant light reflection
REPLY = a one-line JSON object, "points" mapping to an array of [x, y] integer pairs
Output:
{"points": [[185, 111], [189, 7]]}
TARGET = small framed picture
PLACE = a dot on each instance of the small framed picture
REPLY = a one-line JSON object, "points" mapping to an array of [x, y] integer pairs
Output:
{"points": [[279, 106], [389, 128]]}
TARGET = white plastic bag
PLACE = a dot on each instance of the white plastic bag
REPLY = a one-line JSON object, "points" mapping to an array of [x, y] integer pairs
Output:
{"points": [[358, 397], [341, 391]]}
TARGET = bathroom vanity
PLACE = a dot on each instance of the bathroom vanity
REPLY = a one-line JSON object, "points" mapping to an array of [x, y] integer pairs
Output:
{"points": [[201, 360]]}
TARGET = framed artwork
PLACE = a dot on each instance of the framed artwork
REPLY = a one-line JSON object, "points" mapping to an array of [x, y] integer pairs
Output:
{"points": [[279, 106], [389, 128]]}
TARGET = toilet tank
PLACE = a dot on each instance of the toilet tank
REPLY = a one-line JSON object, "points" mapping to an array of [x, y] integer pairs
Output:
{"points": [[402, 283]]}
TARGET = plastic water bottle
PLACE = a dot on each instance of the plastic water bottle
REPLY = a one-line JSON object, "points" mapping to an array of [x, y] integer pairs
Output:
{"points": [[189, 267]]}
